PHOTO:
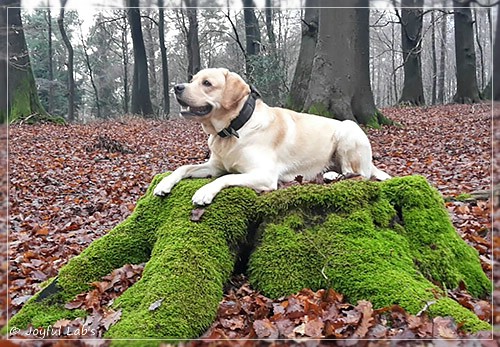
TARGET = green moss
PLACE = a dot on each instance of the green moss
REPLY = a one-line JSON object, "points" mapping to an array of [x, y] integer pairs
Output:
{"points": [[464, 318], [189, 265], [188, 262], [386, 242], [320, 109]]}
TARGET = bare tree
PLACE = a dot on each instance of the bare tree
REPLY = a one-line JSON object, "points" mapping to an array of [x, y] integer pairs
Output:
{"points": [[340, 82], [91, 74], [467, 90], [411, 42], [303, 69], [269, 25], [22, 100], [433, 58], [51, 58], [442, 60], [141, 100], [193, 45], [164, 61], [496, 60], [252, 35], [70, 64]]}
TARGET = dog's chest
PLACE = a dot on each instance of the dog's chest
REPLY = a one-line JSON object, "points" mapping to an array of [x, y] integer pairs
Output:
{"points": [[229, 154]]}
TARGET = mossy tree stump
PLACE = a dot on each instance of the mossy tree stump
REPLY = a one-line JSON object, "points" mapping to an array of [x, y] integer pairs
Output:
{"points": [[386, 242]]}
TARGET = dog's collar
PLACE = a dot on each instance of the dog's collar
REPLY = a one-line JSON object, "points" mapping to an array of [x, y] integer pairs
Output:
{"points": [[243, 117]]}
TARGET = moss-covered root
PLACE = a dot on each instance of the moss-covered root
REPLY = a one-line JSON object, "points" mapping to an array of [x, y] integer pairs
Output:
{"points": [[129, 242], [353, 236], [438, 251], [182, 285]]}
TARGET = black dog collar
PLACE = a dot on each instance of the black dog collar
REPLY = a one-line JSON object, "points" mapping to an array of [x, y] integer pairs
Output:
{"points": [[243, 117]]}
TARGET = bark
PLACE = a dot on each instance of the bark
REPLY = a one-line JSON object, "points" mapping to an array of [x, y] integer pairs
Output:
{"points": [[340, 80], [70, 64], [269, 26], [125, 62], [22, 101], [480, 48], [141, 100], [164, 61], [442, 61], [193, 44], [377, 228], [434, 58], [411, 42], [394, 87], [91, 75], [496, 61], [252, 36], [51, 58], [467, 90], [151, 47], [303, 69]]}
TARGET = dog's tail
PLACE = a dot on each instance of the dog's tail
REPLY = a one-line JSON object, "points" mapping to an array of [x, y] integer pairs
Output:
{"points": [[379, 174]]}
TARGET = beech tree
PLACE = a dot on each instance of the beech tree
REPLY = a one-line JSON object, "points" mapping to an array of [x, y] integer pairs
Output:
{"points": [[70, 64], [22, 101], [252, 35], [496, 61], [164, 61], [141, 100], [340, 80], [467, 89], [193, 44], [303, 69], [411, 42]]}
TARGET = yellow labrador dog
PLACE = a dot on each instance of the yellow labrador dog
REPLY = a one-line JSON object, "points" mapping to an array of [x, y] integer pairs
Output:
{"points": [[257, 146]]}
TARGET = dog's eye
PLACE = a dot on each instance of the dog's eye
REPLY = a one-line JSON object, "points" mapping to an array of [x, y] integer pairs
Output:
{"points": [[207, 83]]}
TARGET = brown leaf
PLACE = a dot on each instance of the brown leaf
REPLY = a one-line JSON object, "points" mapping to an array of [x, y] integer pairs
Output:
{"points": [[265, 329]]}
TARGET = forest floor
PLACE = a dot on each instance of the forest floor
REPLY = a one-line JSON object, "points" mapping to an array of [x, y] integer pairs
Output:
{"points": [[68, 185]]}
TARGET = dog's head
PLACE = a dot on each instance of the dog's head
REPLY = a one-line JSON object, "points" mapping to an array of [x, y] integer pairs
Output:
{"points": [[211, 92]]}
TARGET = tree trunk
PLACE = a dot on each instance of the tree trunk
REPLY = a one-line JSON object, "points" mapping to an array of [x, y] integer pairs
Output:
{"points": [[303, 69], [70, 65], [340, 80], [22, 101], [151, 47], [164, 61], [496, 60], [91, 75], [364, 239], [394, 87], [411, 42], [125, 61], [442, 60], [270, 27], [51, 58], [434, 58], [193, 45], [467, 90], [141, 100], [252, 37], [481, 54]]}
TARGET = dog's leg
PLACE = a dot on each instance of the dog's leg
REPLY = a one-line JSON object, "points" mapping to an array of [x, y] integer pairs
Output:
{"points": [[199, 171], [258, 181]]}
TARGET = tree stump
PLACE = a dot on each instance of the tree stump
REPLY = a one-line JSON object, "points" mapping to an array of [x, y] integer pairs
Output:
{"points": [[388, 242]]}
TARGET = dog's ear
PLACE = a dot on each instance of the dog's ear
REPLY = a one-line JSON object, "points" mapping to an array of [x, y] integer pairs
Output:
{"points": [[235, 90]]}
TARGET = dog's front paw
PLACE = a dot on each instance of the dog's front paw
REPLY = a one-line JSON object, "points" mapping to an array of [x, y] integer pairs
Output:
{"points": [[205, 195], [164, 187]]}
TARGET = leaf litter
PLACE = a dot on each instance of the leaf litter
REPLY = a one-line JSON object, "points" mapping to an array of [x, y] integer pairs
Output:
{"points": [[84, 179]]}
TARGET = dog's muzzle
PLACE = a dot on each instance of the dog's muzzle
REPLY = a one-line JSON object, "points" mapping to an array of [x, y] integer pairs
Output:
{"points": [[186, 109]]}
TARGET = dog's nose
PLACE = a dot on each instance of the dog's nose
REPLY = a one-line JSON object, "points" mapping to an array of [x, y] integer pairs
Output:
{"points": [[179, 88]]}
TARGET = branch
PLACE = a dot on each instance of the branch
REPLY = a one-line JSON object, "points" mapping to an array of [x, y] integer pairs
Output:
{"points": [[238, 41]]}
